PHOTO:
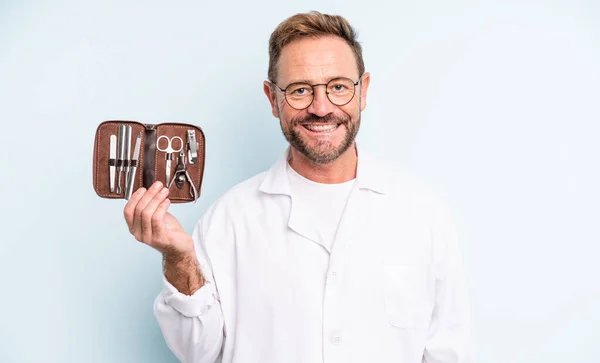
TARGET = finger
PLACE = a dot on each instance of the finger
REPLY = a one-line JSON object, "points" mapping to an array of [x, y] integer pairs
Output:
{"points": [[141, 205], [148, 213], [159, 215], [129, 209]]}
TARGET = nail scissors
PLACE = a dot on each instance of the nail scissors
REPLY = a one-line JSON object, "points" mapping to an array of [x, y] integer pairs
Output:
{"points": [[169, 150], [181, 175]]}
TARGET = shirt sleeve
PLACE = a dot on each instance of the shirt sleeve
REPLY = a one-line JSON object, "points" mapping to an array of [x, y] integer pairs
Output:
{"points": [[192, 325], [449, 337]]}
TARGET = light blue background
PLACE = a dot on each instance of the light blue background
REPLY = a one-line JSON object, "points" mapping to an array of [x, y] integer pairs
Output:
{"points": [[494, 104]]}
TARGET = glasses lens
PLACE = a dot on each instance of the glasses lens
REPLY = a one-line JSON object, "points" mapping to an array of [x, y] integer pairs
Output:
{"points": [[340, 91], [299, 95]]}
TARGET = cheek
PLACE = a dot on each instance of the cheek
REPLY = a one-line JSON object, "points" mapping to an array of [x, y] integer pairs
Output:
{"points": [[352, 110], [280, 101], [287, 114]]}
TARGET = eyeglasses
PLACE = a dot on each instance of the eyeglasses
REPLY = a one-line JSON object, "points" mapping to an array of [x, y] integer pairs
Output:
{"points": [[300, 95]]}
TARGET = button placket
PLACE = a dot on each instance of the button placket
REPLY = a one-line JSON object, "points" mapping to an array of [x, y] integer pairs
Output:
{"points": [[334, 314], [336, 340]]}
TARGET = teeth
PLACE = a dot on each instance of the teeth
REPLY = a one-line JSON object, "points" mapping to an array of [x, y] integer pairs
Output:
{"points": [[321, 127]]}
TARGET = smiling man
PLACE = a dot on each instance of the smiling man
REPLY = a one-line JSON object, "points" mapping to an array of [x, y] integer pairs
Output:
{"points": [[321, 121], [330, 255]]}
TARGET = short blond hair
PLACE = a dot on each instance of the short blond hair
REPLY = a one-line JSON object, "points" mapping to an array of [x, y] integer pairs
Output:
{"points": [[312, 25]]}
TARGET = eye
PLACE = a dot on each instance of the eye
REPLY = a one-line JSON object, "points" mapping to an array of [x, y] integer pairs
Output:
{"points": [[340, 86], [299, 90]]}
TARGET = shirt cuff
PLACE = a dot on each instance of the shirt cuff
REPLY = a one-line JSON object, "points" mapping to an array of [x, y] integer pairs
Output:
{"points": [[191, 306]]}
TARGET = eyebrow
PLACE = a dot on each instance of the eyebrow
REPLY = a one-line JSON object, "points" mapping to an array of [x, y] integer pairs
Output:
{"points": [[310, 82]]}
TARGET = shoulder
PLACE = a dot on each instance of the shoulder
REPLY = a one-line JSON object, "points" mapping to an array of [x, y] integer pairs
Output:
{"points": [[395, 179], [406, 187], [237, 198], [409, 195]]}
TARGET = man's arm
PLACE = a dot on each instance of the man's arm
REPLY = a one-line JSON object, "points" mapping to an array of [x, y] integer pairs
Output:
{"points": [[188, 310], [183, 272]]}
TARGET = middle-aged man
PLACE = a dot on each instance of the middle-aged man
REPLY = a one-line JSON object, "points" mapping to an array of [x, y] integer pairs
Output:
{"points": [[330, 255]]}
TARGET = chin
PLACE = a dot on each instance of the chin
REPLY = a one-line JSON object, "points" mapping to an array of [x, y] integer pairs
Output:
{"points": [[320, 150], [323, 153]]}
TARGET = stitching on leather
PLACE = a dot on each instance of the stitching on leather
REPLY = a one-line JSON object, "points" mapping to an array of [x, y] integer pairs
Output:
{"points": [[99, 137]]}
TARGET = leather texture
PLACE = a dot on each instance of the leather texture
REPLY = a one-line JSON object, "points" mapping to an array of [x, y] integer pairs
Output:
{"points": [[152, 162], [150, 152]]}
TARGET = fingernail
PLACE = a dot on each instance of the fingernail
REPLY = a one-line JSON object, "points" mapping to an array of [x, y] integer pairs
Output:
{"points": [[157, 185], [140, 190], [164, 191]]}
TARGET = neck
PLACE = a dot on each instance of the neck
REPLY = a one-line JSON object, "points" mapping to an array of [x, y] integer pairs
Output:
{"points": [[340, 170]]}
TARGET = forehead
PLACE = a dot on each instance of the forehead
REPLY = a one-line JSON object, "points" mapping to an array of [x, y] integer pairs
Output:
{"points": [[316, 60]]}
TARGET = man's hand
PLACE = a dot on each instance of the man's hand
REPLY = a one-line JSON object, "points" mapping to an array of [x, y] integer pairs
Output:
{"points": [[150, 222]]}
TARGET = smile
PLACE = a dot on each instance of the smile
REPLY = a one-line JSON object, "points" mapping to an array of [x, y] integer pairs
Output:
{"points": [[321, 128]]}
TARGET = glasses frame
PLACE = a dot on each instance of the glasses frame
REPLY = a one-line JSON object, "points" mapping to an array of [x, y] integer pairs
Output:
{"points": [[285, 94]]}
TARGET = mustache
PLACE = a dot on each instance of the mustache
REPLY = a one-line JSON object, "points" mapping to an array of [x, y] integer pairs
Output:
{"points": [[327, 119]]}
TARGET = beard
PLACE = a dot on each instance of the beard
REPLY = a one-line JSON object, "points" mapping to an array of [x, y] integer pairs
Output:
{"points": [[323, 152]]}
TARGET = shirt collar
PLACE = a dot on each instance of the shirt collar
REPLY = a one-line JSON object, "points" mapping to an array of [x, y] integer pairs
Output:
{"points": [[369, 175]]}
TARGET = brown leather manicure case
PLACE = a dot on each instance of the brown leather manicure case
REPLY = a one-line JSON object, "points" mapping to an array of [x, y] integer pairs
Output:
{"points": [[185, 146]]}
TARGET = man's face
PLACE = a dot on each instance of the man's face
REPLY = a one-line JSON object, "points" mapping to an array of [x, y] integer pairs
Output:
{"points": [[323, 131]]}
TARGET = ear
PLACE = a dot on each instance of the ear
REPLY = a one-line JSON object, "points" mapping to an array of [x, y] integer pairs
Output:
{"points": [[272, 96], [364, 87]]}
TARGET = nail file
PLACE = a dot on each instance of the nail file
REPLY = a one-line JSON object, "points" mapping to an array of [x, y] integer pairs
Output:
{"points": [[112, 159], [120, 152], [127, 155], [133, 166]]}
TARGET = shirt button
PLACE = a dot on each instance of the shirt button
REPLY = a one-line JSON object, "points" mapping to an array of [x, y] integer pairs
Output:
{"points": [[336, 340], [334, 274]]}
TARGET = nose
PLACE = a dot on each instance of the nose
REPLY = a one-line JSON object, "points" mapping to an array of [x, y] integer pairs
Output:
{"points": [[320, 106]]}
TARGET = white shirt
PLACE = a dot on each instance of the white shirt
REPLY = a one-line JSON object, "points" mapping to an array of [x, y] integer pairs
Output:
{"points": [[320, 204], [391, 290]]}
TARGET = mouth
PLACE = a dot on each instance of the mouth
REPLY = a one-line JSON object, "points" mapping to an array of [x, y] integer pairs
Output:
{"points": [[321, 128]]}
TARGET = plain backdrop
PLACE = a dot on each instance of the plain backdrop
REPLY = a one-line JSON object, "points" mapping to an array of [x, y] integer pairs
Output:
{"points": [[494, 104]]}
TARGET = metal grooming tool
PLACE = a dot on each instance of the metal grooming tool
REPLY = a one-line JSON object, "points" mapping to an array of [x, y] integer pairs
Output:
{"points": [[133, 166], [112, 160], [127, 156], [181, 175], [192, 147], [120, 152], [169, 153]]}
